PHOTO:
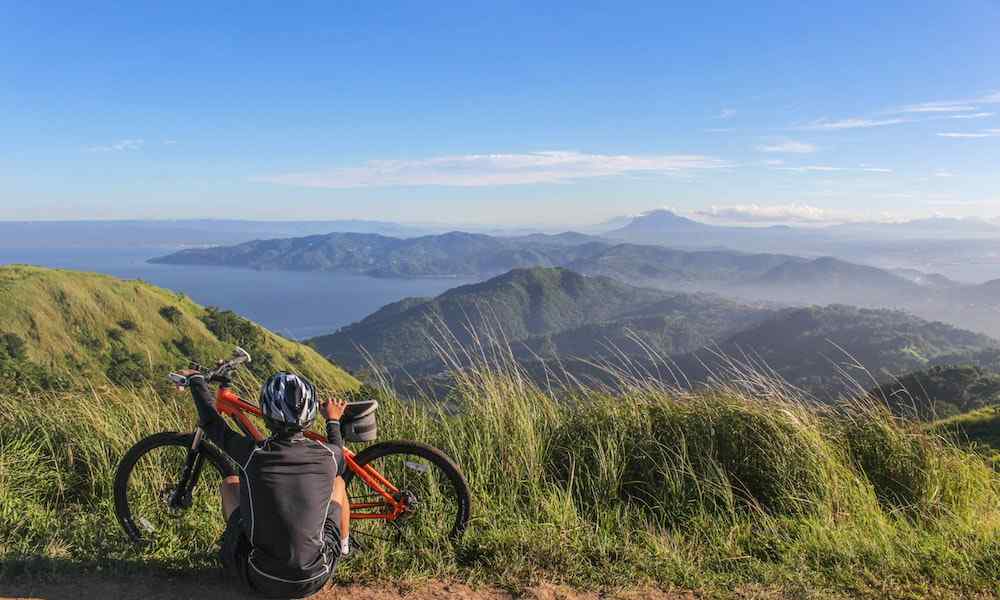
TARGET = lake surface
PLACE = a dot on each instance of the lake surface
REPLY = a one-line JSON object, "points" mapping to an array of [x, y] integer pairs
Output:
{"points": [[296, 305]]}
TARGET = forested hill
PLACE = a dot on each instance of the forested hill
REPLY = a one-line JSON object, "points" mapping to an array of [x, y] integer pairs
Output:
{"points": [[941, 391], [558, 317], [450, 254], [823, 348], [542, 310], [61, 329]]}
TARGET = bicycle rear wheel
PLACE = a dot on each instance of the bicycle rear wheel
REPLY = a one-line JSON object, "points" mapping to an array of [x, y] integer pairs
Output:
{"points": [[436, 494], [152, 504]]}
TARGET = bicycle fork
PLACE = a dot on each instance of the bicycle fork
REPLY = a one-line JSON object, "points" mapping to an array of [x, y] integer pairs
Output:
{"points": [[181, 497]]}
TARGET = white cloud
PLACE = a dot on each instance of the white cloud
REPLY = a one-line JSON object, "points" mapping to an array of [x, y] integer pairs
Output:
{"points": [[979, 115], [983, 133], [719, 129], [118, 146], [726, 113], [830, 169], [783, 213], [788, 146], [943, 174], [812, 168], [851, 123], [936, 107], [475, 170]]}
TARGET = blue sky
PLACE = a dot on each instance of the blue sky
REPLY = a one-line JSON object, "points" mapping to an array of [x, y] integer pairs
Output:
{"points": [[499, 112]]}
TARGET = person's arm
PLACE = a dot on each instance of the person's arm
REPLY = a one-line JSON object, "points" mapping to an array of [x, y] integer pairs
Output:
{"points": [[333, 410], [217, 430]]}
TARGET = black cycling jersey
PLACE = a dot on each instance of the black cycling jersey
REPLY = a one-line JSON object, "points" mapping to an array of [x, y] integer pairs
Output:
{"points": [[285, 487]]}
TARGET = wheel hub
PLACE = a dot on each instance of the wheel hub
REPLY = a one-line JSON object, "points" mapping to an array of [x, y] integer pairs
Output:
{"points": [[176, 505], [410, 502]]}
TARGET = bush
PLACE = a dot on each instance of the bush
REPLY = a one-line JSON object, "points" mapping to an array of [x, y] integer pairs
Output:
{"points": [[185, 345], [13, 346], [128, 325], [172, 314], [126, 368], [231, 328]]}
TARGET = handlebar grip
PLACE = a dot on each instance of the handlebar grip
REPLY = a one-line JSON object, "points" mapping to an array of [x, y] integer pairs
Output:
{"points": [[178, 379]]}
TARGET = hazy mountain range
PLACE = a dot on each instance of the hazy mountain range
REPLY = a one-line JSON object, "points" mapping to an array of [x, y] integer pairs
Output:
{"points": [[549, 314], [772, 277]]}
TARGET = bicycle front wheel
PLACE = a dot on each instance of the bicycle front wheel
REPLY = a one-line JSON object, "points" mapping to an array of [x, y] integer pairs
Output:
{"points": [[167, 494], [435, 493]]}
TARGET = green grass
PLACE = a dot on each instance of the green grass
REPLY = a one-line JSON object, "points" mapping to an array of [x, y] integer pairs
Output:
{"points": [[718, 490], [978, 430], [88, 327]]}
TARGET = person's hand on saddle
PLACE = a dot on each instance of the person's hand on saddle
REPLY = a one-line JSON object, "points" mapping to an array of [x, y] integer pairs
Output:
{"points": [[333, 408]]}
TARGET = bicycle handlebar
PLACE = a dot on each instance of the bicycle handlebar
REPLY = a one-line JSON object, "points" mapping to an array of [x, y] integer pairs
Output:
{"points": [[239, 357]]}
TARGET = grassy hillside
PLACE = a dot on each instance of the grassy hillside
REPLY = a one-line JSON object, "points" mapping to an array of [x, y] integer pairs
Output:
{"points": [[717, 491], [978, 429], [71, 329]]}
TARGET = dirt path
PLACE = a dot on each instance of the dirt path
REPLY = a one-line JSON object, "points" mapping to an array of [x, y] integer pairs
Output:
{"points": [[166, 588]]}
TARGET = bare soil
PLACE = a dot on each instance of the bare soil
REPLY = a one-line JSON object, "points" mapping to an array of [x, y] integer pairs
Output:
{"points": [[171, 588]]}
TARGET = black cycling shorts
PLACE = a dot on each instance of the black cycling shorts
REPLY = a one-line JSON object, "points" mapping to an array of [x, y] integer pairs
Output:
{"points": [[234, 552]]}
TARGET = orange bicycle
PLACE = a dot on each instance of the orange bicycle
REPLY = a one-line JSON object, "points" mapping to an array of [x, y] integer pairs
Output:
{"points": [[399, 490]]}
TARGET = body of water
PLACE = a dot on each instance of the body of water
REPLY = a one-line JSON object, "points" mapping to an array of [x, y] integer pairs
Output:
{"points": [[294, 304]]}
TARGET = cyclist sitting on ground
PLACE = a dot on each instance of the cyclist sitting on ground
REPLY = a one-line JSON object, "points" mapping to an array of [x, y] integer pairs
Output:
{"points": [[287, 513]]}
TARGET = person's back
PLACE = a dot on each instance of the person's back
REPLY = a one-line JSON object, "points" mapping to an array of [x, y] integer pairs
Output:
{"points": [[286, 509], [284, 506]]}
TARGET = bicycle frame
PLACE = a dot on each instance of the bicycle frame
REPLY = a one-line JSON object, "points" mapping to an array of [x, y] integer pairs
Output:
{"points": [[228, 403]]}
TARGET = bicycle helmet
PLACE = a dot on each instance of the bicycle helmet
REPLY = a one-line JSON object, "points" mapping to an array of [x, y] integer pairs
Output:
{"points": [[288, 402]]}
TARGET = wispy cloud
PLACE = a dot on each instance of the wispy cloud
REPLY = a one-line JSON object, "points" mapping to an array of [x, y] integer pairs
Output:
{"points": [[983, 133], [832, 169], [969, 108], [788, 146], [118, 146], [936, 107], [477, 170], [726, 113], [809, 168], [979, 115], [943, 174], [851, 123], [782, 213]]}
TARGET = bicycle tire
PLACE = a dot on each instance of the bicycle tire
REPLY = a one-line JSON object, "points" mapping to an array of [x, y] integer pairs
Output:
{"points": [[121, 485], [439, 459]]}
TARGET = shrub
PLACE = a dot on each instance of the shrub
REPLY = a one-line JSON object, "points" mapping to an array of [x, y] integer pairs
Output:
{"points": [[128, 325], [13, 346], [125, 367], [185, 345], [232, 328], [172, 314]]}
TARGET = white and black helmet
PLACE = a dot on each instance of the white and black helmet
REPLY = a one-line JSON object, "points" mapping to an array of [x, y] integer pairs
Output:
{"points": [[288, 401]]}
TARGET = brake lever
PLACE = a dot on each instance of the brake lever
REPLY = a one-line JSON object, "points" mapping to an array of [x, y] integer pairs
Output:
{"points": [[178, 379]]}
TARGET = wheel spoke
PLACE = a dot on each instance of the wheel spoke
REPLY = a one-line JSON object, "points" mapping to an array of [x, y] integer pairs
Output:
{"points": [[432, 502], [164, 517]]}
